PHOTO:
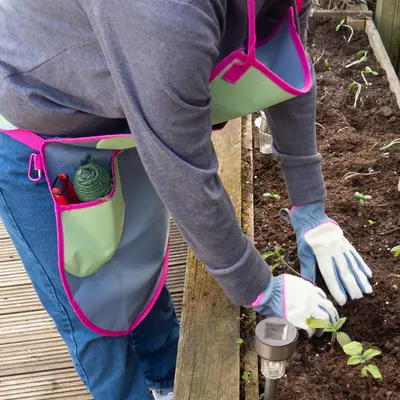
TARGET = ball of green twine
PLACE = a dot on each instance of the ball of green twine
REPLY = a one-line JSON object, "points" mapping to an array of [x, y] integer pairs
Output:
{"points": [[92, 180]]}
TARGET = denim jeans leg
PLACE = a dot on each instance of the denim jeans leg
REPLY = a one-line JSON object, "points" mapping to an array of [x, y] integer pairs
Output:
{"points": [[156, 343], [108, 366]]}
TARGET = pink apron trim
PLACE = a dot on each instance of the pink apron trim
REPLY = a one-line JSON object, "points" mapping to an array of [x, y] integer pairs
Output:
{"points": [[28, 138]]}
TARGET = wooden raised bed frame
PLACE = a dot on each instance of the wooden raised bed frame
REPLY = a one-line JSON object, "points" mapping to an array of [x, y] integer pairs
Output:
{"points": [[209, 359]]}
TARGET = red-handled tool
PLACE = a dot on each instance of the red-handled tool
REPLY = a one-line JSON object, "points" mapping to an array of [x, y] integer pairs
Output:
{"points": [[69, 188], [65, 194], [59, 195]]}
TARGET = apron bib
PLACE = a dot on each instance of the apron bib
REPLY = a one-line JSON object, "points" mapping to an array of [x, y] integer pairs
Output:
{"points": [[273, 70], [113, 240]]}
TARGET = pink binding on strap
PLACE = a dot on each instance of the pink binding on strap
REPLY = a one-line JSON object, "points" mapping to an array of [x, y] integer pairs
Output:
{"points": [[28, 138], [238, 70]]}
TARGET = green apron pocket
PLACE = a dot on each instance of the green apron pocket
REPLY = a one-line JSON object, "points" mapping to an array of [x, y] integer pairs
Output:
{"points": [[92, 231]]}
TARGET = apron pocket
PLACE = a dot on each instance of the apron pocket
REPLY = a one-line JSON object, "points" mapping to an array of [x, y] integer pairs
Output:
{"points": [[91, 231]]}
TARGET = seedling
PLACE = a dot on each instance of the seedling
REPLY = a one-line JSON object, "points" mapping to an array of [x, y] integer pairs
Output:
{"points": [[361, 57], [392, 143], [357, 357], [363, 199], [273, 195], [239, 341], [371, 222], [369, 71], [277, 257], [396, 251], [246, 376], [359, 88], [342, 24], [326, 326], [326, 64]]}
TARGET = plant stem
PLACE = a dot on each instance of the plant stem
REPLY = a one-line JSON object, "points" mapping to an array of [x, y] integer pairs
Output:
{"points": [[363, 58], [365, 80], [359, 87]]}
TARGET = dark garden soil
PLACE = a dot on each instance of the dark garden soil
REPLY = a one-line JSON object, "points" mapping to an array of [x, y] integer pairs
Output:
{"points": [[350, 140]]}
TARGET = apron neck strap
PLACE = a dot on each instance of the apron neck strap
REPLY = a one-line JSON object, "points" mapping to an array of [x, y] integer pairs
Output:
{"points": [[251, 12]]}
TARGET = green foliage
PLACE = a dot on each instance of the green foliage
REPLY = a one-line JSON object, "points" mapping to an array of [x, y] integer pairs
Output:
{"points": [[273, 195], [326, 326], [340, 24], [357, 357], [246, 376], [276, 255], [371, 222], [373, 370], [369, 71], [239, 341], [396, 251], [363, 199]]}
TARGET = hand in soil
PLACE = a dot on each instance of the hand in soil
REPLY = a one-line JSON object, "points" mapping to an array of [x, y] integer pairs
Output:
{"points": [[321, 241], [295, 300]]}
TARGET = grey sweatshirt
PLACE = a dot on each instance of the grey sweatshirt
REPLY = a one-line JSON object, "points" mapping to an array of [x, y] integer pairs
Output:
{"points": [[82, 67]]}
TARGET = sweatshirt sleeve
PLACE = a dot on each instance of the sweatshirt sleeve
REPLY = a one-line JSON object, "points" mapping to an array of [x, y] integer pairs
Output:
{"points": [[160, 54], [293, 127]]}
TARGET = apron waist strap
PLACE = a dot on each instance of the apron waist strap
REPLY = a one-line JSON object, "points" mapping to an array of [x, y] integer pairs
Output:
{"points": [[28, 138]]}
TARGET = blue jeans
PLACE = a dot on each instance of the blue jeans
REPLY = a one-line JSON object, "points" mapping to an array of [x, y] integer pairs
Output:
{"points": [[112, 368]]}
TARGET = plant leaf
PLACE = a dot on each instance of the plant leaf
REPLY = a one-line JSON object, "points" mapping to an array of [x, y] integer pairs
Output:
{"points": [[339, 323], [367, 197], [351, 85], [267, 254], [273, 267], [330, 329], [245, 376], [318, 323], [358, 195], [277, 197], [361, 53], [371, 353], [368, 70], [371, 222], [239, 341], [267, 194], [374, 73], [362, 202], [373, 370], [343, 338], [353, 348], [355, 360], [396, 251], [364, 371]]}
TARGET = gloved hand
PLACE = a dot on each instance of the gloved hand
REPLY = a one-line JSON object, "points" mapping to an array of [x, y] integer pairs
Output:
{"points": [[295, 299], [321, 241]]}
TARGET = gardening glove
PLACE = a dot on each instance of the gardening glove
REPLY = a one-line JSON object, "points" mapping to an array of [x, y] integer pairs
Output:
{"points": [[295, 299], [321, 241]]}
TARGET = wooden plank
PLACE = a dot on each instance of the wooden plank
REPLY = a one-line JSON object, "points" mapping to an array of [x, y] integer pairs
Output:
{"points": [[383, 58], [386, 11], [341, 13], [248, 317], [60, 384], [208, 357], [394, 49], [357, 22]]}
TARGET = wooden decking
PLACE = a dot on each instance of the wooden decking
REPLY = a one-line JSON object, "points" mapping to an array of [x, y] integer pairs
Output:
{"points": [[34, 362]]}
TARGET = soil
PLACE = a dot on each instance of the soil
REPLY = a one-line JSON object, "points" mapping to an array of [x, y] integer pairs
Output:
{"points": [[349, 140]]}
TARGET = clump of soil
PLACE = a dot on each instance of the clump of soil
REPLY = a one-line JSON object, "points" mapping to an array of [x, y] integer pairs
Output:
{"points": [[349, 140]]}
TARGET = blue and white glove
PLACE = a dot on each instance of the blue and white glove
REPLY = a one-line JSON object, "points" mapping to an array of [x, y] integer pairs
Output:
{"points": [[321, 242], [295, 299]]}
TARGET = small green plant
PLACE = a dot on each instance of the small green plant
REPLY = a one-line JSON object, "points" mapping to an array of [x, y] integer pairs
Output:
{"points": [[273, 195], [359, 87], [396, 251], [362, 199], [342, 24], [246, 376], [326, 64], [369, 71], [277, 257], [341, 337], [239, 341], [357, 357], [392, 143], [361, 57], [371, 222]]}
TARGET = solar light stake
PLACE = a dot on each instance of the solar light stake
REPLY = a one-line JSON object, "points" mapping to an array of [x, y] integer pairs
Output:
{"points": [[275, 343]]}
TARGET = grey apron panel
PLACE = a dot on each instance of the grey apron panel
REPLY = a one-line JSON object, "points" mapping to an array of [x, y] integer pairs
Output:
{"points": [[113, 297], [64, 158]]}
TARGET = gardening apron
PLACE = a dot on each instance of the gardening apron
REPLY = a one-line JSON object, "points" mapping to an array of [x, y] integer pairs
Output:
{"points": [[113, 249]]}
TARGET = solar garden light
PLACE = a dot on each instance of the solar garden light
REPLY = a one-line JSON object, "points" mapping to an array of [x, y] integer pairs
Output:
{"points": [[275, 343], [265, 136]]}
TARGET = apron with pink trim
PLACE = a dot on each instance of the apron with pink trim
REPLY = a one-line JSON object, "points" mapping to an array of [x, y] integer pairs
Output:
{"points": [[113, 248]]}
